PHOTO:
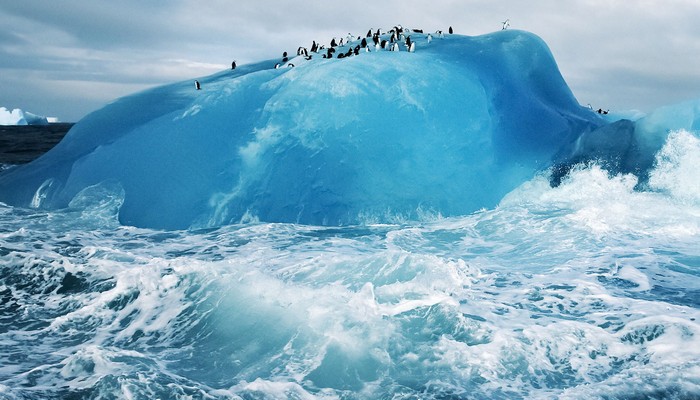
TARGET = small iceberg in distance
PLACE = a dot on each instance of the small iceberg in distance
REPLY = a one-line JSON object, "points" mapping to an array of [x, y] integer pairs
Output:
{"points": [[21, 117]]}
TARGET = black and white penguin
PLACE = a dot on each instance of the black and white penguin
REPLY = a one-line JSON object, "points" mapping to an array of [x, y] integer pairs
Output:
{"points": [[430, 38], [333, 42], [395, 47], [412, 47], [363, 43], [384, 43], [506, 24], [341, 42], [369, 33], [356, 50], [277, 65], [233, 64], [196, 85], [290, 65], [451, 31], [408, 41]]}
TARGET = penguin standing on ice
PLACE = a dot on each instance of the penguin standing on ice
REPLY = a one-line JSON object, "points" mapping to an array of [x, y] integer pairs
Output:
{"points": [[196, 85], [233, 64], [430, 38], [451, 30]]}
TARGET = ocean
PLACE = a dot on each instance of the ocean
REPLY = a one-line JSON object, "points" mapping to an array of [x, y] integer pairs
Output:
{"points": [[590, 289]]}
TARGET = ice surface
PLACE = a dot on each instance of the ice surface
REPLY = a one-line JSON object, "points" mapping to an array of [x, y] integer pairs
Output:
{"points": [[20, 117], [378, 137]]}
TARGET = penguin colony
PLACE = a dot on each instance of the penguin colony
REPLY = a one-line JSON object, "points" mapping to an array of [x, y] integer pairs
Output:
{"points": [[349, 46], [391, 40]]}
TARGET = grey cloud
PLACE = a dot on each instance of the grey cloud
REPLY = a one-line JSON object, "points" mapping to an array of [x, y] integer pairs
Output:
{"points": [[608, 51]]}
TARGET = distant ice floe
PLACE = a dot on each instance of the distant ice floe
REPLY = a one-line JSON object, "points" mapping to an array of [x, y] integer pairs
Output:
{"points": [[20, 117]]}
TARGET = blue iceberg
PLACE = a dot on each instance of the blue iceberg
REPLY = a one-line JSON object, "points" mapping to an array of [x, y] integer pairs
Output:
{"points": [[382, 136]]}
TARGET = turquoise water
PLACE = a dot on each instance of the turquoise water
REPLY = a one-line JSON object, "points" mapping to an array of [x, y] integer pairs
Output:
{"points": [[587, 290]]}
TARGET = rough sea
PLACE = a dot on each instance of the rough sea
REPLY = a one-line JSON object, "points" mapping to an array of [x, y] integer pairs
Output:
{"points": [[588, 290]]}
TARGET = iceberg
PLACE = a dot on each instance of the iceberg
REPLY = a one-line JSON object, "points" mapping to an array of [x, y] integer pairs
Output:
{"points": [[20, 117], [378, 137]]}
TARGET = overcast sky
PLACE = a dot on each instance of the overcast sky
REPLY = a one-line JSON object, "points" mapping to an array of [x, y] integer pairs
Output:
{"points": [[70, 57]]}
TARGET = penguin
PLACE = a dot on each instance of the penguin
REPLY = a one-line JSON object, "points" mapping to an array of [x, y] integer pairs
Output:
{"points": [[349, 38], [196, 85], [375, 39], [341, 55], [233, 64], [363, 43], [506, 24], [384, 43], [277, 65], [333, 43], [379, 32], [412, 47], [430, 38], [451, 31], [290, 65], [395, 47], [285, 59], [408, 41], [340, 44], [308, 58], [314, 47], [440, 34], [369, 33], [356, 50]]}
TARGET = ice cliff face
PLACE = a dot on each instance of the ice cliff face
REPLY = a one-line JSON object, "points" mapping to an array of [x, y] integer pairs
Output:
{"points": [[377, 137]]}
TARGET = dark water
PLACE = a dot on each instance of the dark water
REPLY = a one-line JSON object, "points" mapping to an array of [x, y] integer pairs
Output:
{"points": [[20, 144]]}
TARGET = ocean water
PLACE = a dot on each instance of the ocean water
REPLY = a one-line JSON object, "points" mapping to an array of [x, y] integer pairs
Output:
{"points": [[586, 290]]}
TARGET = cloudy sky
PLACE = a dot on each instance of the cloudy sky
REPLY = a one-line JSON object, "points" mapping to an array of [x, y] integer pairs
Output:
{"points": [[70, 57]]}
